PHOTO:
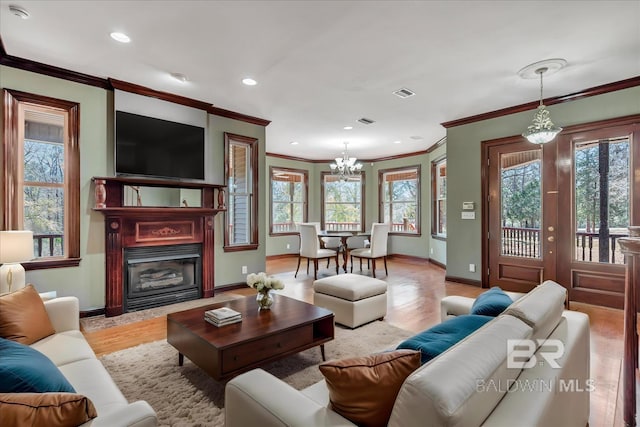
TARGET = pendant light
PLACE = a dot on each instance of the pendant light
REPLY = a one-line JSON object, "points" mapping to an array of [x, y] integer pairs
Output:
{"points": [[542, 129]]}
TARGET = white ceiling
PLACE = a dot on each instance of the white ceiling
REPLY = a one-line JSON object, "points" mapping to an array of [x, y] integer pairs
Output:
{"points": [[321, 65]]}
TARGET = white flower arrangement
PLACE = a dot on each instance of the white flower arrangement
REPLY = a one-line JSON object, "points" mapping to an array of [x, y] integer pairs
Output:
{"points": [[261, 282]]}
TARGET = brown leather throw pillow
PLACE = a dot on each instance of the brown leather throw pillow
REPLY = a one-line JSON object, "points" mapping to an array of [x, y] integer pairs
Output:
{"points": [[45, 409], [364, 389], [23, 317]]}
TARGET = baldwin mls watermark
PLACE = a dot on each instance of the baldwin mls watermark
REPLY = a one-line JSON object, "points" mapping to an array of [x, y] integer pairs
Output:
{"points": [[521, 354]]}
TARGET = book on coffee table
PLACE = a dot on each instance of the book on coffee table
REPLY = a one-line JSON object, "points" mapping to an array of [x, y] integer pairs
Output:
{"points": [[222, 313], [225, 322]]}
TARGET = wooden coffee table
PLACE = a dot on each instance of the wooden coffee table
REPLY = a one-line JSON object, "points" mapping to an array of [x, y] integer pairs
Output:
{"points": [[290, 326]]}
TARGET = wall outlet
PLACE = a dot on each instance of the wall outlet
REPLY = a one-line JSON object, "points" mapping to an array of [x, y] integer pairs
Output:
{"points": [[472, 268], [431, 251], [244, 269], [288, 246]]}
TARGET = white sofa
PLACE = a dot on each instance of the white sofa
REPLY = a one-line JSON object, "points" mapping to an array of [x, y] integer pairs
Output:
{"points": [[71, 353], [474, 383]]}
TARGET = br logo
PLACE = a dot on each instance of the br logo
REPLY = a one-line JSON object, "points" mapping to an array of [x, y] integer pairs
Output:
{"points": [[521, 353]]}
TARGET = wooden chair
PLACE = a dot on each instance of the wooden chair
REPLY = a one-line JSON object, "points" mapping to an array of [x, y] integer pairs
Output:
{"points": [[310, 249], [378, 248]]}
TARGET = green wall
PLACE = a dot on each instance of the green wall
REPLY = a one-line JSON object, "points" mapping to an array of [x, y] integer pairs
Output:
{"points": [[417, 246], [464, 166], [87, 281]]}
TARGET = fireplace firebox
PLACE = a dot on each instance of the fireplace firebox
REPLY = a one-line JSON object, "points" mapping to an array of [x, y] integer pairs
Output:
{"points": [[161, 275]]}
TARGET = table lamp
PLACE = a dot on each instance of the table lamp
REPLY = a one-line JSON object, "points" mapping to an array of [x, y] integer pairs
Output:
{"points": [[15, 247]]}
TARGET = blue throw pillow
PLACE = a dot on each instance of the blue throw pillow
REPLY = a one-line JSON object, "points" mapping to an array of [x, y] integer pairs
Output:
{"points": [[491, 303], [25, 370], [439, 338]]}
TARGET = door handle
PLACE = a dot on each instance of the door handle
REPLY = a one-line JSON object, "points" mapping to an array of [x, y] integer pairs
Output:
{"points": [[551, 238]]}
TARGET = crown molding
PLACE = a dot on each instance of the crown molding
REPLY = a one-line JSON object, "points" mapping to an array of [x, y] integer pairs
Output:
{"points": [[379, 159], [49, 70], [597, 90], [237, 116], [165, 96]]}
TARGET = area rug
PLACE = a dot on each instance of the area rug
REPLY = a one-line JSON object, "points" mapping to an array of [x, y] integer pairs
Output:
{"points": [[186, 396], [91, 324]]}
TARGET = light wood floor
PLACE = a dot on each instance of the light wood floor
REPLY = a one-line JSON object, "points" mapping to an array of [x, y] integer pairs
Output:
{"points": [[414, 294]]}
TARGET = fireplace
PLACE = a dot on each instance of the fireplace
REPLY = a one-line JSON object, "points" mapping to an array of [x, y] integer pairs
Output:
{"points": [[156, 255], [161, 275]]}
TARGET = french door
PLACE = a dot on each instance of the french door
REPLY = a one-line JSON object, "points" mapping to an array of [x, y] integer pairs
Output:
{"points": [[555, 211]]}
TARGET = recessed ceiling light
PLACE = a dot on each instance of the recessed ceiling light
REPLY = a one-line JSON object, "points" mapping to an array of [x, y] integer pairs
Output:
{"points": [[249, 81], [397, 142], [20, 12], [347, 127], [120, 37], [294, 143], [179, 77]]}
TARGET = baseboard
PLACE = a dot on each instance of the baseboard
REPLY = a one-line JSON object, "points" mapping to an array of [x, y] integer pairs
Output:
{"points": [[91, 313], [408, 258], [463, 280], [230, 287], [281, 256], [437, 263]]}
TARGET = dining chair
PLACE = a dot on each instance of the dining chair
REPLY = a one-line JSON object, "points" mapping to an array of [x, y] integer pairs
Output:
{"points": [[311, 250], [333, 243], [378, 248]]}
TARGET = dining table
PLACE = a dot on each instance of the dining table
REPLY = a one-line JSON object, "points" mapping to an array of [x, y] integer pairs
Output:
{"points": [[344, 236]]}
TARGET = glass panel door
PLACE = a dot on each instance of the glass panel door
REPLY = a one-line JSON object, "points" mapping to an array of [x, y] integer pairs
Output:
{"points": [[602, 202], [521, 203]]}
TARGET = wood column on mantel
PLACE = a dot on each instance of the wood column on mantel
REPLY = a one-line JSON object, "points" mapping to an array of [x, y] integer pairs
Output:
{"points": [[134, 226], [630, 247]]}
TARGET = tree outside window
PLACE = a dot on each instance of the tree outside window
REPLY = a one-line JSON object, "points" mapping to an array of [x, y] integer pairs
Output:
{"points": [[42, 188], [400, 199], [439, 198], [288, 199], [342, 203]]}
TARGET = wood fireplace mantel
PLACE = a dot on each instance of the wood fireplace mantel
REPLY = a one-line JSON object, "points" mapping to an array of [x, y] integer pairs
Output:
{"points": [[133, 226]]}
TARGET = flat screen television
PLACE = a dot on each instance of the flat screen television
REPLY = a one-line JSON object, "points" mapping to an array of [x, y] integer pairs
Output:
{"points": [[151, 147]]}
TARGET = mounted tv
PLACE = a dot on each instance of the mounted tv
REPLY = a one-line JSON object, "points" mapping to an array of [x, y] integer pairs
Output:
{"points": [[156, 148]]}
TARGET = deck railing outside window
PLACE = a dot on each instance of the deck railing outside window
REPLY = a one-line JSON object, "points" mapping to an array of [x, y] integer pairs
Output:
{"points": [[525, 242], [47, 245]]}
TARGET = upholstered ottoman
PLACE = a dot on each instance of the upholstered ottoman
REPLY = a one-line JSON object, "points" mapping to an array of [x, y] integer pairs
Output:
{"points": [[354, 299]]}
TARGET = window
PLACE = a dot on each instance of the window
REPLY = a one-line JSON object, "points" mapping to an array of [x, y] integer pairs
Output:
{"points": [[288, 199], [439, 198], [400, 199], [42, 170], [342, 203], [241, 162]]}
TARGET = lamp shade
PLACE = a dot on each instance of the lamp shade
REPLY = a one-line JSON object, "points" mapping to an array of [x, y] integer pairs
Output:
{"points": [[16, 246]]}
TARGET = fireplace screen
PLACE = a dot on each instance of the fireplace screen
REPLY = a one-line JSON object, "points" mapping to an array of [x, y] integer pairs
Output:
{"points": [[161, 275]]}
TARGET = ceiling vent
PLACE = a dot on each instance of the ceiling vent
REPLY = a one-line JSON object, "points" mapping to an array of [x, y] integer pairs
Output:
{"points": [[366, 121], [403, 93], [18, 11]]}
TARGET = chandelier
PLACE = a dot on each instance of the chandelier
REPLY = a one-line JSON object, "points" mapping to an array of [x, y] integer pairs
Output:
{"points": [[542, 129], [345, 167]]}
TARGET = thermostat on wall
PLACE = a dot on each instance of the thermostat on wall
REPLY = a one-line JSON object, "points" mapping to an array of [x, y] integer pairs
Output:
{"points": [[467, 206]]}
